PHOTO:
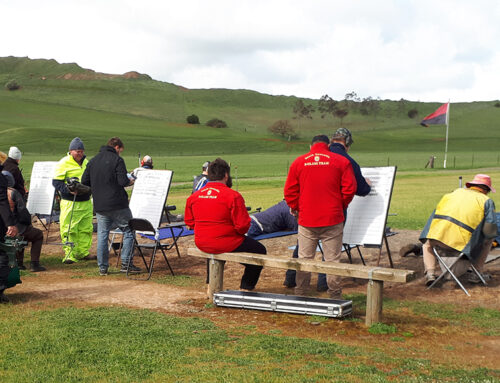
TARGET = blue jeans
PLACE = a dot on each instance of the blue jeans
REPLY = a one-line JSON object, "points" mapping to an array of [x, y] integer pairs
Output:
{"points": [[105, 222]]}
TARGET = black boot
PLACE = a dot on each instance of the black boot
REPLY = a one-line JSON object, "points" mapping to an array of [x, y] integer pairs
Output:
{"points": [[20, 265], [3, 298], [35, 267]]}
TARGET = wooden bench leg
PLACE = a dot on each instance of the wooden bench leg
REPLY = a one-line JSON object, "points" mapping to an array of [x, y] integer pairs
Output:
{"points": [[216, 279], [374, 302]]}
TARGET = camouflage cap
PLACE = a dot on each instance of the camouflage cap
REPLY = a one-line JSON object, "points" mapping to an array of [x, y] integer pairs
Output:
{"points": [[345, 134]]}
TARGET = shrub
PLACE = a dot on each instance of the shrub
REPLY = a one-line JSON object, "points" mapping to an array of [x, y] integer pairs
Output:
{"points": [[283, 128], [216, 123], [193, 119], [412, 113], [12, 85], [497, 104]]}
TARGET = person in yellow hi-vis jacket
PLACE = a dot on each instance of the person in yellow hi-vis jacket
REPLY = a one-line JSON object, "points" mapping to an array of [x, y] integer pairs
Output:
{"points": [[76, 207]]}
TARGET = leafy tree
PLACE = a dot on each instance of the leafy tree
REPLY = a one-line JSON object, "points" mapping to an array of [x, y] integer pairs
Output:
{"points": [[302, 111], [369, 106], [341, 114], [352, 96], [327, 106], [216, 123], [193, 119], [412, 113], [351, 101], [283, 128]]}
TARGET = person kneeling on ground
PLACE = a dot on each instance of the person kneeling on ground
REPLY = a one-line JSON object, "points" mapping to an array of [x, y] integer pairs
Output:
{"points": [[23, 223], [464, 221], [220, 220]]}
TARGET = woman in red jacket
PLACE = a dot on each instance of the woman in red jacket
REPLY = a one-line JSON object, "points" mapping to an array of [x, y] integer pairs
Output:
{"points": [[220, 220]]}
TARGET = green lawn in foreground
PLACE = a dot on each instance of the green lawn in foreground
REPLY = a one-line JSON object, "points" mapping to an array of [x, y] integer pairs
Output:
{"points": [[123, 345]]}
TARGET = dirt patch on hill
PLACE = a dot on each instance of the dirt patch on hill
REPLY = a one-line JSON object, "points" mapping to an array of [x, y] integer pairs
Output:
{"points": [[184, 295], [91, 75]]}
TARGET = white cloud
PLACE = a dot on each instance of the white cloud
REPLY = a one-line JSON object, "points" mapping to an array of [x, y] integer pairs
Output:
{"points": [[420, 50]]}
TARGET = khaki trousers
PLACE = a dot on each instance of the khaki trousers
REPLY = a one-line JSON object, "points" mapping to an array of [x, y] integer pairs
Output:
{"points": [[331, 240]]}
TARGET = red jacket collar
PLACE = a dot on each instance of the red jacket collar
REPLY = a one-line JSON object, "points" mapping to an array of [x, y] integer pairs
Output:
{"points": [[319, 146]]}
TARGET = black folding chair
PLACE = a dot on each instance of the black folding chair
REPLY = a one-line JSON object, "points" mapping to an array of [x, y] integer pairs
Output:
{"points": [[145, 227]]}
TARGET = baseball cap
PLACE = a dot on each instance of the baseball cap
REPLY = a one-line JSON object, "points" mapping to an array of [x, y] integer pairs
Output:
{"points": [[345, 134]]}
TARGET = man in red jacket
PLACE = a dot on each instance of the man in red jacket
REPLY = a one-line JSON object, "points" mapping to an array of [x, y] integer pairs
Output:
{"points": [[319, 187], [220, 220]]}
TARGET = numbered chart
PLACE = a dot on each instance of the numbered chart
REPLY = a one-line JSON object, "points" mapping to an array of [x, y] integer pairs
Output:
{"points": [[150, 194], [367, 216], [41, 193]]}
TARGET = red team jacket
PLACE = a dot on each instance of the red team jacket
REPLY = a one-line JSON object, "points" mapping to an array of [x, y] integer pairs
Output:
{"points": [[219, 217], [320, 185]]}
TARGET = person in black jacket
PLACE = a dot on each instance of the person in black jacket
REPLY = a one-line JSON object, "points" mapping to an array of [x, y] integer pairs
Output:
{"points": [[12, 166], [107, 177], [7, 227], [24, 226], [341, 143]]}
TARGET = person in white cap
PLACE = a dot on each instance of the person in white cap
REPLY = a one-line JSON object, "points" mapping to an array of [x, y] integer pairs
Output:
{"points": [[464, 221], [11, 164], [146, 164]]}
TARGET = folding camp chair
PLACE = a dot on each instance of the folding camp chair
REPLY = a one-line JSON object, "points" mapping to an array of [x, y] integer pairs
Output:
{"points": [[144, 226], [458, 256], [114, 245]]}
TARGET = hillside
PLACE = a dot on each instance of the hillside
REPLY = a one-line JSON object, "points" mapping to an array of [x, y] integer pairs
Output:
{"points": [[58, 101]]}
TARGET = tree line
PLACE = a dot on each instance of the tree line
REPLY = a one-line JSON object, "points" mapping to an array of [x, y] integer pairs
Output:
{"points": [[328, 107]]}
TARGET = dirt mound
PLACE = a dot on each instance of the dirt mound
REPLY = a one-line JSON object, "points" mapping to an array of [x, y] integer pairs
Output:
{"points": [[91, 75], [132, 74]]}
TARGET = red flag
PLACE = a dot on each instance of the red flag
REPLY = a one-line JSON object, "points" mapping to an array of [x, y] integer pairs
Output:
{"points": [[438, 117]]}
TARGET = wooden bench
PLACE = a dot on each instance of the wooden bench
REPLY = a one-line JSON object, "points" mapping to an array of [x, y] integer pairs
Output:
{"points": [[375, 275]]}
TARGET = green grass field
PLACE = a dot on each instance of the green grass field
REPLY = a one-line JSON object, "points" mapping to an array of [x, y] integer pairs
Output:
{"points": [[122, 345]]}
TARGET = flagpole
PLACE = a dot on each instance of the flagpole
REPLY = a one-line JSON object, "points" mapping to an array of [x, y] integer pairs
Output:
{"points": [[447, 125]]}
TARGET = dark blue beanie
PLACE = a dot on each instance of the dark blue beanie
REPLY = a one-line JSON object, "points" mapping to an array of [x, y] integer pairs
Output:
{"points": [[76, 144]]}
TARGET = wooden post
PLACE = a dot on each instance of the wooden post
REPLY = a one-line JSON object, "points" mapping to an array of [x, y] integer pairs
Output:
{"points": [[374, 302], [216, 279]]}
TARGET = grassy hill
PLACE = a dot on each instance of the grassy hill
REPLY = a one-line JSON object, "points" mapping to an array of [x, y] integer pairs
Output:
{"points": [[57, 102]]}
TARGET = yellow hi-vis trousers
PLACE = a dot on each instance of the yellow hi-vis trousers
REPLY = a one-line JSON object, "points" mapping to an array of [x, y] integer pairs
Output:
{"points": [[79, 238]]}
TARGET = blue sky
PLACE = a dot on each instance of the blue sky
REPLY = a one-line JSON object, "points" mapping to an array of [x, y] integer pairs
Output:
{"points": [[418, 50]]}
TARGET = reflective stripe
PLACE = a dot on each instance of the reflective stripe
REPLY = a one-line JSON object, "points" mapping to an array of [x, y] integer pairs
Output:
{"points": [[257, 222], [456, 222]]}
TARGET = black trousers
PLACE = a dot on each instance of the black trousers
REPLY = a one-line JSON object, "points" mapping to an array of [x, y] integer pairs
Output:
{"points": [[35, 236], [252, 272]]}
